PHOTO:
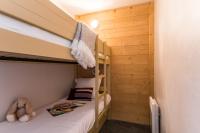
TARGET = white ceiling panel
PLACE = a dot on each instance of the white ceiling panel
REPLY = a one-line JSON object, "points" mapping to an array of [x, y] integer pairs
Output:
{"points": [[78, 7]]}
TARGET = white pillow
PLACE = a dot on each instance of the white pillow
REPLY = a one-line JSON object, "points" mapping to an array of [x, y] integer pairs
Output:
{"points": [[87, 82]]}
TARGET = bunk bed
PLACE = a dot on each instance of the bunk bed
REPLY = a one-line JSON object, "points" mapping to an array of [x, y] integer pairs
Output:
{"points": [[38, 16], [102, 95], [44, 35]]}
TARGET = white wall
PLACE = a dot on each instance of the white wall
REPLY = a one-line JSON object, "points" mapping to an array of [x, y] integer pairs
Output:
{"points": [[42, 83], [177, 64]]}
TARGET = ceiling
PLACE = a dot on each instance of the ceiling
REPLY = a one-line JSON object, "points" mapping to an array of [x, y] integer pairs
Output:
{"points": [[79, 7]]}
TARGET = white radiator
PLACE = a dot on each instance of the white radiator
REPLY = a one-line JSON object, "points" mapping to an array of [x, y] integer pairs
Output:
{"points": [[154, 115]]}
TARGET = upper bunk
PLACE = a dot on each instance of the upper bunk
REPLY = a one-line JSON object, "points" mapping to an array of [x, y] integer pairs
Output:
{"points": [[37, 29]]}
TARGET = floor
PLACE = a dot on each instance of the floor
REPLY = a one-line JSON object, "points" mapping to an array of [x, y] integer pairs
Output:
{"points": [[113, 126]]}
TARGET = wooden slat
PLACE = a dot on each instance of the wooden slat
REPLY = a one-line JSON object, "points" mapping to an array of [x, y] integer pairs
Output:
{"points": [[131, 11], [124, 22], [107, 50], [130, 50], [96, 84], [17, 45], [151, 47], [108, 60], [102, 119], [100, 46], [125, 32], [41, 13]]}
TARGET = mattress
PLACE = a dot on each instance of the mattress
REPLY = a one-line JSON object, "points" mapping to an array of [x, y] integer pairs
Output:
{"points": [[23, 28], [80, 120]]}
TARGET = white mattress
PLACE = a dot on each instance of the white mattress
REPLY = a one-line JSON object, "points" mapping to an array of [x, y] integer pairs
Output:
{"points": [[20, 27], [80, 120]]}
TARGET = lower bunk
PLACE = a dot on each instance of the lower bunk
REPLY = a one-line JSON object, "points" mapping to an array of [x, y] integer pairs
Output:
{"points": [[81, 120]]}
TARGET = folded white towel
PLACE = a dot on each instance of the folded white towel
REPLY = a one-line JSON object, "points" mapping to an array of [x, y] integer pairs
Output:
{"points": [[83, 46]]}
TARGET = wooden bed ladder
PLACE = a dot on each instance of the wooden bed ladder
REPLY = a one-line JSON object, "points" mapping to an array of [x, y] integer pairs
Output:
{"points": [[105, 76]]}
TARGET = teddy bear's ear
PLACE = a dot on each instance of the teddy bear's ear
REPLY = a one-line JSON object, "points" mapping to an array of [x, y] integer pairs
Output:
{"points": [[13, 108], [11, 114], [28, 107]]}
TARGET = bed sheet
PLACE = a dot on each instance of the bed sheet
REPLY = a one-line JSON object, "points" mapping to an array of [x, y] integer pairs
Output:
{"points": [[81, 120]]}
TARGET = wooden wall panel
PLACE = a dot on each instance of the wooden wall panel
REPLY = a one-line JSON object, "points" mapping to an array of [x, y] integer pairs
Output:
{"points": [[151, 47], [129, 32]]}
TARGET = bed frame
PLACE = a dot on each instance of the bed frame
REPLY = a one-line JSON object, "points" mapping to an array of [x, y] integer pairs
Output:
{"points": [[41, 13], [102, 58], [102, 69], [46, 16]]}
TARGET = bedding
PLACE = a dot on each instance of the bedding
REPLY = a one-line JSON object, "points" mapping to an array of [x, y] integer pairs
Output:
{"points": [[83, 46], [81, 94], [20, 27], [80, 120], [87, 82]]}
